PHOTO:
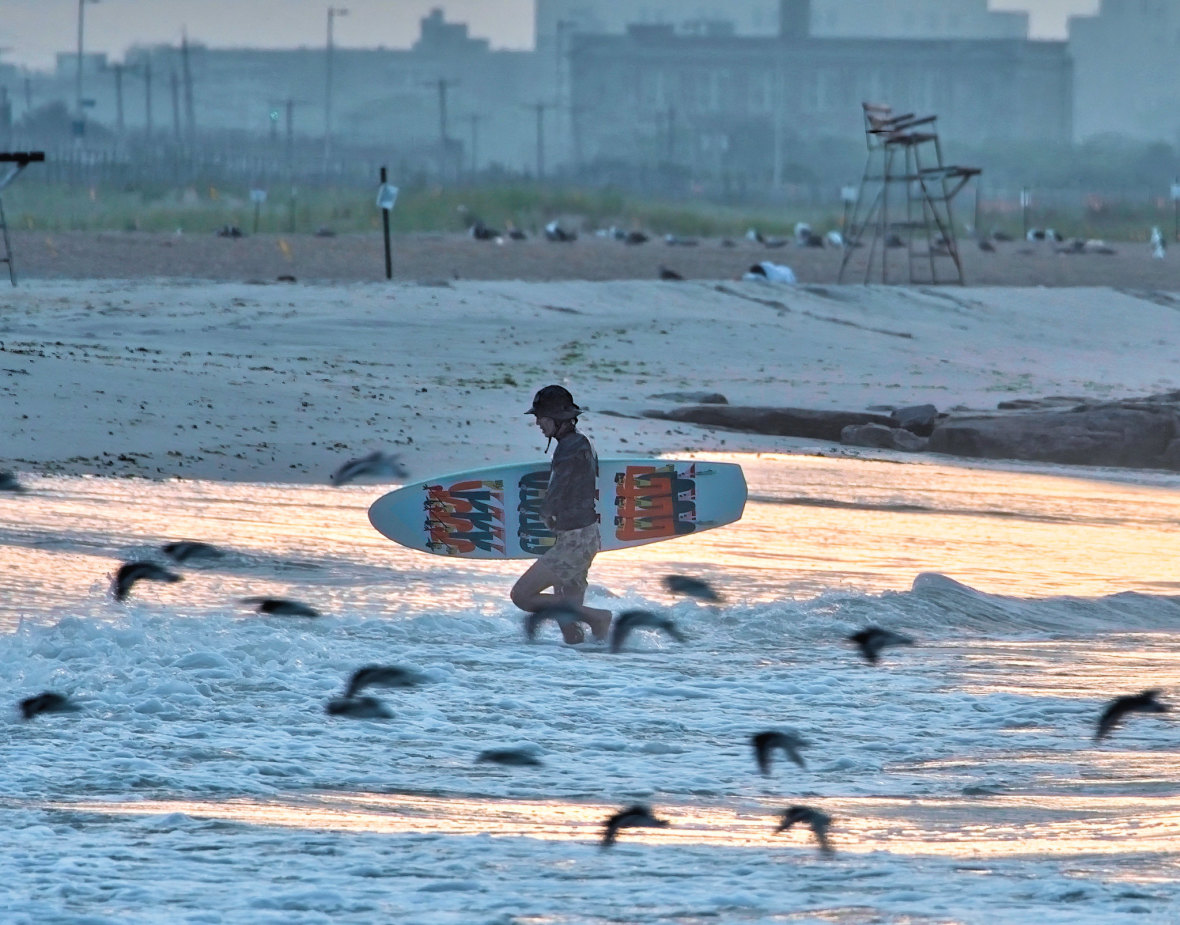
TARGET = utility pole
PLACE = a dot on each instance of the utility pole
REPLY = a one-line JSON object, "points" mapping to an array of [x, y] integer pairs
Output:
{"points": [[333, 12], [473, 120], [670, 133], [175, 82], [539, 108], [444, 139], [289, 105], [118, 69], [147, 97], [189, 114], [80, 111]]}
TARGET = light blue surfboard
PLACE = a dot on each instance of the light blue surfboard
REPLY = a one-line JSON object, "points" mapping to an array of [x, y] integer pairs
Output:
{"points": [[495, 513]]}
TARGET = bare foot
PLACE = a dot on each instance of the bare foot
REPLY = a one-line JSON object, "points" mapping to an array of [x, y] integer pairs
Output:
{"points": [[599, 622]]}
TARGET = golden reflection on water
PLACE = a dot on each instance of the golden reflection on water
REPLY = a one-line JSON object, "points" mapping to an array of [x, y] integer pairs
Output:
{"points": [[983, 827], [813, 524]]}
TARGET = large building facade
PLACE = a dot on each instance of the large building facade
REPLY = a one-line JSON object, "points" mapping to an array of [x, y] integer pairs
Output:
{"points": [[732, 103], [1127, 59], [912, 19]]}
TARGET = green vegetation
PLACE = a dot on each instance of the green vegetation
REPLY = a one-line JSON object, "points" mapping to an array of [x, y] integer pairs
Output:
{"points": [[38, 206]]}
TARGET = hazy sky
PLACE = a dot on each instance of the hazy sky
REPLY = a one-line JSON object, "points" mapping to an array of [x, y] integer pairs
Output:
{"points": [[32, 30]]}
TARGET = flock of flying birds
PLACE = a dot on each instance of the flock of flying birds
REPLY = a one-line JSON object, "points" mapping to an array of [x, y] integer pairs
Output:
{"points": [[870, 643]]}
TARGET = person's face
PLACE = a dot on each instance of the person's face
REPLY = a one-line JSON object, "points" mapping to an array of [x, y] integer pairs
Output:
{"points": [[548, 425]]}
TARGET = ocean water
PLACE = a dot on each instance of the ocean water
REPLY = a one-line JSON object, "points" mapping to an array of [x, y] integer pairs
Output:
{"points": [[201, 780]]}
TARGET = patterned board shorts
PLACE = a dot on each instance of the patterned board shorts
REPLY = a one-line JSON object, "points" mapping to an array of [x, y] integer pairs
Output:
{"points": [[570, 555]]}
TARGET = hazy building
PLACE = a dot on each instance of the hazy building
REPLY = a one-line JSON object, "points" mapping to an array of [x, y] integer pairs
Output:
{"points": [[728, 103], [1127, 61], [444, 100], [918, 19]]}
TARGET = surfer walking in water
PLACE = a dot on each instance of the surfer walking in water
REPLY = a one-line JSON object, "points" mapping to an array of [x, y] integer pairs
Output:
{"points": [[568, 510]]}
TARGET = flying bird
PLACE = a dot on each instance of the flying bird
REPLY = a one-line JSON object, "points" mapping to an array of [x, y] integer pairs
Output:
{"points": [[510, 757], [559, 613], [634, 619], [376, 464], [765, 743], [818, 822], [281, 607], [358, 708], [1144, 702], [872, 639], [691, 587], [131, 572], [184, 550], [47, 702], [8, 482], [381, 676], [633, 817]]}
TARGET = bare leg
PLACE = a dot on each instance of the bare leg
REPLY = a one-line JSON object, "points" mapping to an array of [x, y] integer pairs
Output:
{"points": [[529, 594], [597, 619]]}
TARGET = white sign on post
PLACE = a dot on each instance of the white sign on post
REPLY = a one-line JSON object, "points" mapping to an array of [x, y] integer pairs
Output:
{"points": [[387, 197], [1176, 192], [258, 195]]}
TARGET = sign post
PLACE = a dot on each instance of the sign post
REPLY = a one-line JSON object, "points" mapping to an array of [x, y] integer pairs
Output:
{"points": [[258, 197], [1176, 208], [386, 200]]}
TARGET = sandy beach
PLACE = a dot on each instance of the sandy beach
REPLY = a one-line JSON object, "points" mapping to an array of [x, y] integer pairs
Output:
{"points": [[351, 258], [202, 777], [244, 378]]}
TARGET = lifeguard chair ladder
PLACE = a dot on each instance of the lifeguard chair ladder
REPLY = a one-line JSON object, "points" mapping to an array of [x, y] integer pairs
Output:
{"points": [[905, 166], [18, 160]]}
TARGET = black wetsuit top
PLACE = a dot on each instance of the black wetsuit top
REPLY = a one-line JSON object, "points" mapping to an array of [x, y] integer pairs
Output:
{"points": [[569, 502]]}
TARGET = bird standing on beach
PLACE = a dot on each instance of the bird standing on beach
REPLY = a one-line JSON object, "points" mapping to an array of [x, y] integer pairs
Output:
{"points": [[281, 607], [633, 817], [691, 587], [376, 464], [635, 619], [46, 702], [764, 744], [1158, 244], [1144, 702], [818, 822], [555, 233], [131, 572], [872, 639]]}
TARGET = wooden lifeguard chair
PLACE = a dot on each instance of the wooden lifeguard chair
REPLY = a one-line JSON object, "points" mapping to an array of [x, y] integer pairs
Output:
{"points": [[905, 173], [18, 161]]}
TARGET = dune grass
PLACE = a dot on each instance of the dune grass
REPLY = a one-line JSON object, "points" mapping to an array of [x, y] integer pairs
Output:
{"points": [[205, 208]]}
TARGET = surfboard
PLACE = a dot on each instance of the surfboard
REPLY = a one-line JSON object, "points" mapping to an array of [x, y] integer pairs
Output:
{"points": [[495, 513]]}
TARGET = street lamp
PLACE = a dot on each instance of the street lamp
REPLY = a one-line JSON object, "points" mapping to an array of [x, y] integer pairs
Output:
{"points": [[333, 12], [80, 115]]}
